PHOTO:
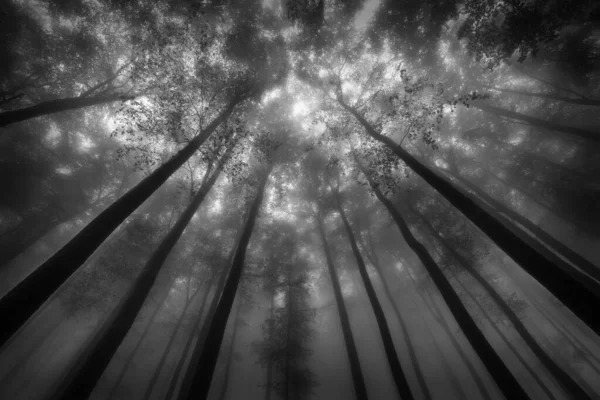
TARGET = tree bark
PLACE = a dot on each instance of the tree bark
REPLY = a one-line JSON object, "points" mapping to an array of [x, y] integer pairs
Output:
{"points": [[199, 331], [137, 346], [358, 380], [540, 234], [372, 256], [557, 373], [23, 300], [56, 106], [386, 337], [154, 378], [582, 301], [463, 356], [508, 344], [538, 122], [236, 325], [506, 382], [98, 352], [583, 101], [196, 382], [31, 229]]}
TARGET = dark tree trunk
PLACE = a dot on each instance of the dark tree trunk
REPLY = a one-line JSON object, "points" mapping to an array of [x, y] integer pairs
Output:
{"points": [[154, 378], [231, 352], [386, 337], [582, 301], [357, 377], [453, 378], [463, 356], [583, 101], [137, 346], [557, 373], [31, 229], [372, 256], [269, 383], [506, 382], [56, 106], [196, 382], [507, 342], [23, 300], [541, 235], [98, 352], [538, 122], [200, 331]]}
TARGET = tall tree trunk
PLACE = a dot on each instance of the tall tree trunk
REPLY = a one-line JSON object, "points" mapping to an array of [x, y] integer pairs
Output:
{"points": [[288, 336], [269, 383], [508, 344], [573, 341], [137, 346], [196, 382], [540, 234], [453, 378], [386, 337], [23, 300], [557, 373], [582, 301], [154, 378], [231, 352], [31, 229], [56, 106], [372, 256], [97, 353], [463, 356], [357, 377], [507, 383], [538, 122], [200, 331], [583, 101]]}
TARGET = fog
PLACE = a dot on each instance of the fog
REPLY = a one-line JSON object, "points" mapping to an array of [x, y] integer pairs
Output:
{"points": [[301, 199]]}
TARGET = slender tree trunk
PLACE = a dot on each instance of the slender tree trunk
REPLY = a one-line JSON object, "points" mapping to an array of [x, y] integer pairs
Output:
{"points": [[29, 231], [199, 331], [557, 373], [372, 256], [154, 379], [196, 382], [453, 378], [288, 336], [231, 352], [269, 383], [23, 300], [56, 106], [508, 344], [582, 301], [533, 121], [386, 337], [463, 356], [33, 348], [133, 352], [96, 355], [507, 383], [540, 234], [583, 101], [575, 343], [358, 380]]}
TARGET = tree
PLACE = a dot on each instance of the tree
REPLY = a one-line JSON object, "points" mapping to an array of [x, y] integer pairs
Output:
{"points": [[357, 375], [20, 303], [196, 382], [98, 353], [504, 378], [388, 343]]}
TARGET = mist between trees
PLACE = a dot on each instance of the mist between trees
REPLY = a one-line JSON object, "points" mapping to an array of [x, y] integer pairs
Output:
{"points": [[299, 199]]}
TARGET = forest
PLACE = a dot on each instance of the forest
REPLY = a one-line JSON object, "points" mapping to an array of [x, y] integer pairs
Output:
{"points": [[299, 199]]}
